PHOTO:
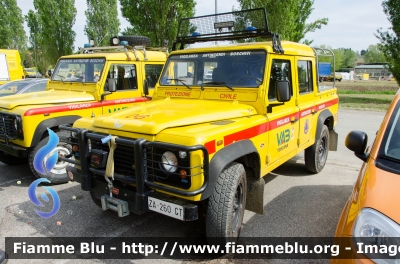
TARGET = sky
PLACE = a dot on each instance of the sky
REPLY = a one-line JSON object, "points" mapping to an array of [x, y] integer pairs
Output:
{"points": [[352, 24]]}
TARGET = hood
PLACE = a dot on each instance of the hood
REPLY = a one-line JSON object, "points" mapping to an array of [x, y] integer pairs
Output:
{"points": [[153, 117], [381, 191], [46, 97]]}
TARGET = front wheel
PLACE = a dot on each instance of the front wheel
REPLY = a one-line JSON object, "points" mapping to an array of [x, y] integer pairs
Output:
{"points": [[226, 205], [315, 156], [58, 174]]}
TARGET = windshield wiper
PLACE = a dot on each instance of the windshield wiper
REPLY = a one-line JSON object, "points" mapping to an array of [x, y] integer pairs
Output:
{"points": [[385, 157], [181, 81], [218, 83], [61, 77]]}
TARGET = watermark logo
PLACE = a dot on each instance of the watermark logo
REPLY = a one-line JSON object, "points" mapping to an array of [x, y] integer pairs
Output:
{"points": [[44, 161], [47, 156], [35, 200]]}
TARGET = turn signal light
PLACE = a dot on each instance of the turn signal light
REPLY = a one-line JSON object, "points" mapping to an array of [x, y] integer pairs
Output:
{"points": [[183, 174]]}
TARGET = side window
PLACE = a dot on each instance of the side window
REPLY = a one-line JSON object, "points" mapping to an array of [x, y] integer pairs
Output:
{"points": [[280, 71], [124, 75], [152, 73], [36, 88], [305, 76]]}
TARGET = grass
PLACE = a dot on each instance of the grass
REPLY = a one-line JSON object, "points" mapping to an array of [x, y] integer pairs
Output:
{"points": [[373, 102], [366, 95]]}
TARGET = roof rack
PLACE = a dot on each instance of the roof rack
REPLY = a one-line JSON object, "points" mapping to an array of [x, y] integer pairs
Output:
{"points": [[123, 49], [235, 25]]}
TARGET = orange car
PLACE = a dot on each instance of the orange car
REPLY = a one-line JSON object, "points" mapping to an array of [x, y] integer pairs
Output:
{"points": [[371, 217]]}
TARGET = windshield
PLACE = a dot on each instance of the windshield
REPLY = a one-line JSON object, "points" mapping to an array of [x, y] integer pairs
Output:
{"points": [[233, 68], [390, 147], [78, 70]]}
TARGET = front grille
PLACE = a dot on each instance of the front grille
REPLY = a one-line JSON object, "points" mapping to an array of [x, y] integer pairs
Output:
{"points": [[7, 128], [124, 159]]}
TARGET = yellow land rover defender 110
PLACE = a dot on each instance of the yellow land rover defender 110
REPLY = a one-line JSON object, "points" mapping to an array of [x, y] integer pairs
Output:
{"points": [[78, 88], [207, 143]]}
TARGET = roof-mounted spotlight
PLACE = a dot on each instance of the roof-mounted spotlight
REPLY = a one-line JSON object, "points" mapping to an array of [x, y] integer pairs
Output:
{"points": [[91, 42], [114, 41], [221, 25]]}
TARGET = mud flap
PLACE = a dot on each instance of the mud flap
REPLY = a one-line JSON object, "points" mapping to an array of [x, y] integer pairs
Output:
{"points": [[255, 195], [333, 140]]}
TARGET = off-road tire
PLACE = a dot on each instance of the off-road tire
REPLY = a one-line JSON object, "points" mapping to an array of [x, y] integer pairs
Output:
{"points": [[226, 205], [53, 177], [136, 40], [315, 156], [96, 201], [12, 160]]}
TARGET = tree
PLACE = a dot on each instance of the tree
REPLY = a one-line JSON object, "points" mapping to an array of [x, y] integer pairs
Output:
{"points": [[32, 20], [12, 26], [390, 41], [288, 17], [374, 54], [102, 21], [158, 20], [56, 19], [349, 58]]}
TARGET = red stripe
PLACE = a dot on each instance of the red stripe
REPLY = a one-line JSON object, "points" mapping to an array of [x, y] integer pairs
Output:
{"points": [[210, 146], [72, 107], [246, 134], [283, 120], [273, 124]]}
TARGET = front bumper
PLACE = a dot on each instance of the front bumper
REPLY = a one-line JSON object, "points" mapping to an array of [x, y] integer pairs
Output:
{"points": [[136, 188], [13, 149]]}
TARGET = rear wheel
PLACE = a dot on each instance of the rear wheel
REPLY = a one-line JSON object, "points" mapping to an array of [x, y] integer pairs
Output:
{"points": [[226, 206], [315, 156], [58, 174], [12, 160]]}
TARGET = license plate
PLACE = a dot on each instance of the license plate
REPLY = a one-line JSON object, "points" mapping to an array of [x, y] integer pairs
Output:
{"points": [[166, 208]]}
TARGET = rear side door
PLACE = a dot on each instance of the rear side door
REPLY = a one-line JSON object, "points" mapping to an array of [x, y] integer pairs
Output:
{"points": [[306, 85], [283, 119]]}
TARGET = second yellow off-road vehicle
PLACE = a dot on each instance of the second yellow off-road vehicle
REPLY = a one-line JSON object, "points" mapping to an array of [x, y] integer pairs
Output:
{"points": [[77, 88], [208, 144]]}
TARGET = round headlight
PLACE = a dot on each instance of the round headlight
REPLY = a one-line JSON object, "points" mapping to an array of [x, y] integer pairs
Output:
{"points": [[169, 161], [15, 124]]}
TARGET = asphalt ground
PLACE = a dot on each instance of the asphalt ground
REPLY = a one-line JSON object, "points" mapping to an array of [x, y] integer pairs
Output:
{"points": [[297, 204]]}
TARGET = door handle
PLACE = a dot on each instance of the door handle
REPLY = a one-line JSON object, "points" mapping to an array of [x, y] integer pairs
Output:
{"points": [[294, 120], [314, 112]]}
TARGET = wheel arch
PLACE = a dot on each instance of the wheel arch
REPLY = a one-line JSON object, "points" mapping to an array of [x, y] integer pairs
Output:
{"points": [[327, 118], [243, 152], [51, 123]]}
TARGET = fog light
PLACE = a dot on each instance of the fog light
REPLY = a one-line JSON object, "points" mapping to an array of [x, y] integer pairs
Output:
{"points": [[182, 154]]}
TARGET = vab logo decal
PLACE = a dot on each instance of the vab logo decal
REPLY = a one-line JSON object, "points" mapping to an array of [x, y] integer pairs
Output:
{"points": [[44, 161]]}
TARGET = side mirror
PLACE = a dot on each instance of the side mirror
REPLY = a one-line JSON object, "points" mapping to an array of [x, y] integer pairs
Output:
{"points": [[145, 88], [356, 141], [282, 91], [111, 85]]}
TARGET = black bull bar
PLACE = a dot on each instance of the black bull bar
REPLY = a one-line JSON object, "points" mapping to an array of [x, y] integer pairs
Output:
{"points": [[143, 185]]}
